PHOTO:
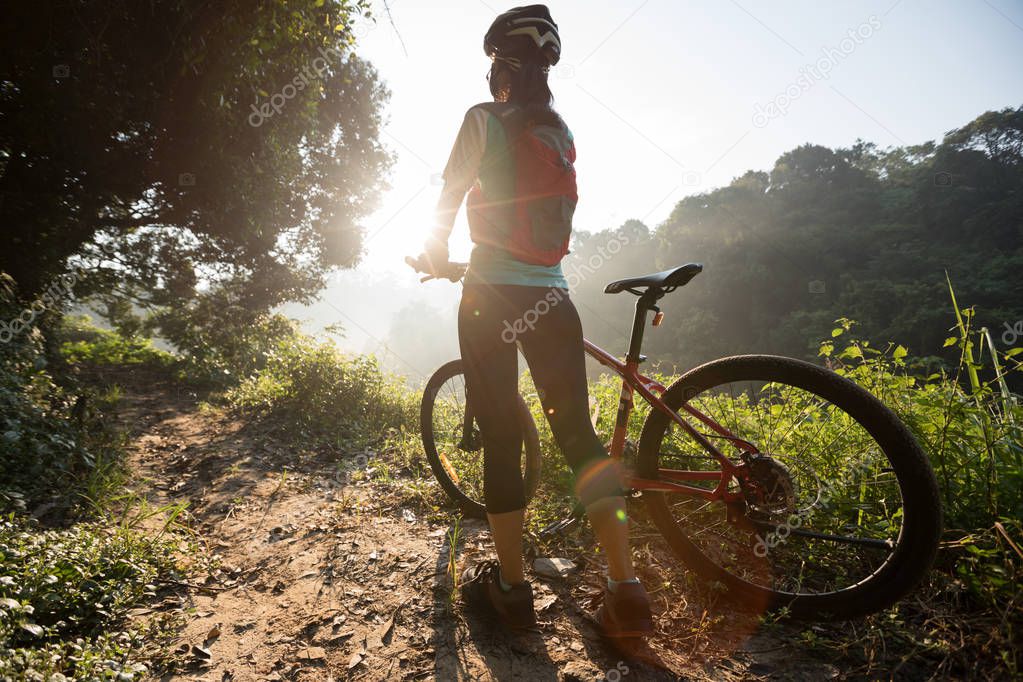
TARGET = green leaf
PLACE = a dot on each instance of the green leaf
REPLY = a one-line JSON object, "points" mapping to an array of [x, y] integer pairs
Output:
{"points": [[837, 331], [900, 352], [950, 341], [851, 352]]}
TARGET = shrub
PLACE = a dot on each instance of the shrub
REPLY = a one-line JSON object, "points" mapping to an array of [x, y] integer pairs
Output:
{"points": [[41, 448], [82, 343], [971, 433], [64, 594], [321, 395], [220, 342]]}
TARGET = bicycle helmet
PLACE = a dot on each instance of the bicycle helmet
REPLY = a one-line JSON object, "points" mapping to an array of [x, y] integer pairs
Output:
{"points": [[524, 33]]}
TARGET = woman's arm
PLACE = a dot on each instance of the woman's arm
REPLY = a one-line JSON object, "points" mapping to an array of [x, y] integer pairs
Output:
{"points": [[459, 175]]}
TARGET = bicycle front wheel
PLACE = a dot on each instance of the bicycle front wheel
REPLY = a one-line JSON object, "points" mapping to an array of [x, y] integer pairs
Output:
{"points": [[454, 448], [839, 513]]}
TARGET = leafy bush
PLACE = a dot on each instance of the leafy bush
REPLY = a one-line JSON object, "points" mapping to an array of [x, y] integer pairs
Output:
{"points": [[82, 343], [65, 593], [321, 395], [41, 447], [221, 342], [972, 434]]}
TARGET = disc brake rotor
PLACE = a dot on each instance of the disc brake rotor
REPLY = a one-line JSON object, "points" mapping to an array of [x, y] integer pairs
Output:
{"points": [[770, 491]]}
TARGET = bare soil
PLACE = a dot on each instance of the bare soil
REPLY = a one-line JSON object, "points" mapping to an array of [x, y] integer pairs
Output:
{"points": [[309, 576]]}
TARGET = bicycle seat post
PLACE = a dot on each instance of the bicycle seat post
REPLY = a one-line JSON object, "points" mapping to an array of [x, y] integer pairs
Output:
{"points": [[644, 304]]}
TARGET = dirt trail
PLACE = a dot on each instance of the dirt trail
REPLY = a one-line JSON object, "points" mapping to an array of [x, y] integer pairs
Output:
{"points": [[319, 581]]}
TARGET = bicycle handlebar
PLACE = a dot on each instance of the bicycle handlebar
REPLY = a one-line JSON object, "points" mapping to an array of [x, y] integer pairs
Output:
{"points": [[451, 271]]}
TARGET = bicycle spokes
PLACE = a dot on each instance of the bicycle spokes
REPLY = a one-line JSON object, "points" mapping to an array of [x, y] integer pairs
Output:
{"points": [[820, 508]]}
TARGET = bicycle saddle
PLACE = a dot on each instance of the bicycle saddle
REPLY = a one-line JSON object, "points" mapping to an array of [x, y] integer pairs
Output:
{"points": [[666, 280]]}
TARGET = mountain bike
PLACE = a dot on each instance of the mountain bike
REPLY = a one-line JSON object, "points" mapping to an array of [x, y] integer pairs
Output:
{"points": [[783, 482]]}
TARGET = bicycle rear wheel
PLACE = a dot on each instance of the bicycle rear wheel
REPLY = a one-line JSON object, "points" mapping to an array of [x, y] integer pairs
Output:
{"points": [[840, 514], [454, 448]]}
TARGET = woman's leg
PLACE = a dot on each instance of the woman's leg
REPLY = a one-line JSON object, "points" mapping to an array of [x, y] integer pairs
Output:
{"points": [[491, 368], [611, 526], [506, 529], [554, 351]]}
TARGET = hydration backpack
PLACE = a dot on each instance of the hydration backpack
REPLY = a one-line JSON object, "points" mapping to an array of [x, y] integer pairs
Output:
{"points": [[526, 195]]}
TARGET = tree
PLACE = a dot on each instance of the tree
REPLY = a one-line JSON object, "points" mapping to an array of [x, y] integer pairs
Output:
{"points": [[229, 145]]}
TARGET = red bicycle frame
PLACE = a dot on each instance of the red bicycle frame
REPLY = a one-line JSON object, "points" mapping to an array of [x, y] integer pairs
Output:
{"points": [[650, 390], [668, 480]]}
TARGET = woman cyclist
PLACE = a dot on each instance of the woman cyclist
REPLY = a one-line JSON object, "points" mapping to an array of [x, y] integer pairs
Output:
{"points": [[510, 273]]}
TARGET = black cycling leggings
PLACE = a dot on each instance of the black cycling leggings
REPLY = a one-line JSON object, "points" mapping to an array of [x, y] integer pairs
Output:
{"points": [[491, 318]]}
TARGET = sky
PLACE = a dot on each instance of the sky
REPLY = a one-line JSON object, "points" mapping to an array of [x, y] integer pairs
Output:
{"points": [[668, 98]]}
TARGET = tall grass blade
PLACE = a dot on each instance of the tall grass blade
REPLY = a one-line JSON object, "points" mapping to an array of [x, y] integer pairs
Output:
{"points": [[964, 333], [1003, 386]]}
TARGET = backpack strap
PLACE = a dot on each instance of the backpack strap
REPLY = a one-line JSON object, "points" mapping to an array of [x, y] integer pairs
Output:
{"points": [[510, 116]]}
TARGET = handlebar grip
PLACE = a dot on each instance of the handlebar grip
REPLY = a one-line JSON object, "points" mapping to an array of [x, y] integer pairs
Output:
{"points": [[455, 271]]}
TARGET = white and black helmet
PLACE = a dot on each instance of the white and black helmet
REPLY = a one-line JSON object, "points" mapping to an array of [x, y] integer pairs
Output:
{"points": [[524, 33]]}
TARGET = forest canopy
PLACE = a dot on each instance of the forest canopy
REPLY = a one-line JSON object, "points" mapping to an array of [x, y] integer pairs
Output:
{"points": [[177, 151], [861, 233]]}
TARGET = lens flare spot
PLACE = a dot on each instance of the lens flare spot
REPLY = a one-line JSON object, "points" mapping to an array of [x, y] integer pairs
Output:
{"points": [[621, 515], [598, 479], [550, 410], [476, 312]]}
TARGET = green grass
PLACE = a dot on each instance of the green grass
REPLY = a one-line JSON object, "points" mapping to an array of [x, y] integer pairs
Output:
{"points": [[454, 537]]}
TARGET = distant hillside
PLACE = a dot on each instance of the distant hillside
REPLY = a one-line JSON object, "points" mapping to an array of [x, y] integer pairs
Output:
{"points": [[862, 233]]}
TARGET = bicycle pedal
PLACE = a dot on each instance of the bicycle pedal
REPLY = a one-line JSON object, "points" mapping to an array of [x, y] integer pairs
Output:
{"points": [[558, 526]]}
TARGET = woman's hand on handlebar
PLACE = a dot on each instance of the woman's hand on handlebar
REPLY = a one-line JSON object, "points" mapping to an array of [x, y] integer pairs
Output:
{"points": [[435, 269]]}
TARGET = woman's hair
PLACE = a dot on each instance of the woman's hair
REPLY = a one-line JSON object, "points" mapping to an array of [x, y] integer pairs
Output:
{"points": [[528, 89]]}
